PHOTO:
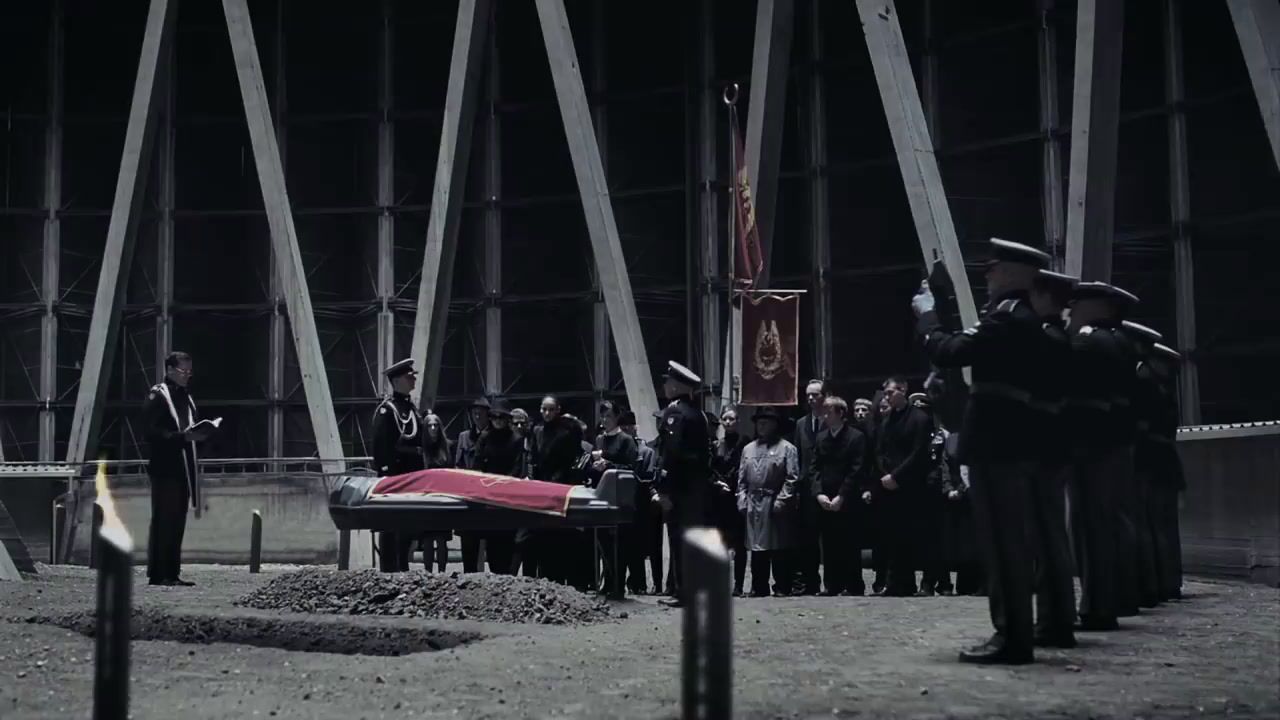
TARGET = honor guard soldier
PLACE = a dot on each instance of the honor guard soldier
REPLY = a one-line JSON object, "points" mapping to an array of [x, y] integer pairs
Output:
{"points": [[1103, 368], [1158, 458], [1143, 340], [1054, 579], [397, 449], [998, 440], [685, 476]]}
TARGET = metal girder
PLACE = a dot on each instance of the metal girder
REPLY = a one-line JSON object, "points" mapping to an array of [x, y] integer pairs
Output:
{"points": [[276, 323], [913, 147], [1257, 25], [1095, 115], [611, 264], [284, 237], [117, 255], [386, 275], [709, 103], [436, 282], [819, 213], [493, 380], [165, 194], [600, 345], [770, 65], [1051, 160], [51, 248], [1184, 283]]}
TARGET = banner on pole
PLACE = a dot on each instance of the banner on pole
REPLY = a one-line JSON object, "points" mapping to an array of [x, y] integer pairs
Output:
{"points": [[769, 343], [750, 260]]}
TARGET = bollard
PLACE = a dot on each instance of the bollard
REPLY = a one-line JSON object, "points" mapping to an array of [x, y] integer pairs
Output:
{"points": [[255, 544], [344, 550], [115, 598], [55, 531], [706, 679], [95, 535]]}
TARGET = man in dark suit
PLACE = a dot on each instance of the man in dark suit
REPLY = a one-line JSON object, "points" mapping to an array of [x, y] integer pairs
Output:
{"points": [[903, 465], [807, 555], [835, 474]]}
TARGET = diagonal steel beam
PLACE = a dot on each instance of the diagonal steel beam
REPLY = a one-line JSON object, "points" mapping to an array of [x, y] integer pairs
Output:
{"points": [[611, 264], [913, 146], [117, 255], [1257, 25], [770, 62], [284, 237], [1095, 130], [435, 286]]}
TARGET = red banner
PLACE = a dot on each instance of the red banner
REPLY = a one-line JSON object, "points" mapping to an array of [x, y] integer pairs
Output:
{"points": [[750, 256], [485, 488], [770, 347]]}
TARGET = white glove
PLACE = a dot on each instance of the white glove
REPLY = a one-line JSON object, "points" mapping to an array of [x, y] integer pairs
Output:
{"points": [[923, 301]]}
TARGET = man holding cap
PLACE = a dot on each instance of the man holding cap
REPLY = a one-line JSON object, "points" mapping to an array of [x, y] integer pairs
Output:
{"points": [[998, 439], [397, 449], [1098, 412], [685, 449]]}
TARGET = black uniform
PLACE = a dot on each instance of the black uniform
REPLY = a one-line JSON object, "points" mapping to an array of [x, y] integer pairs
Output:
{"points": [[1156, 461], [836, 469], [465, 457], [397, 449], [619, 451], [172, 470], [1055, 586], [807, 555], [998, 443], [901, 450], [686, 473], [1103, 461], [934, 576], [561, 555]]}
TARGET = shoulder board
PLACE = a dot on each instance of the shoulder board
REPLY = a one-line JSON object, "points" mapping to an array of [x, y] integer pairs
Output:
{"points": [[971, 331], [1007, 305], [673, 403], [1086, 330]]}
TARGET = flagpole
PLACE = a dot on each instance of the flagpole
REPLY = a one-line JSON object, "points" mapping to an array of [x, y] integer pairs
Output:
{"points": [[727, 399]]}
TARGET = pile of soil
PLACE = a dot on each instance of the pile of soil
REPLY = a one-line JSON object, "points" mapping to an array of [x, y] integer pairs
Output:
{"points": [[300, 635], [480, 596]]}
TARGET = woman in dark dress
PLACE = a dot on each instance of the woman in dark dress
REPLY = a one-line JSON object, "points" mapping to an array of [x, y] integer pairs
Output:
{"points": [[615, 449], [724, 468], [437, 452]]}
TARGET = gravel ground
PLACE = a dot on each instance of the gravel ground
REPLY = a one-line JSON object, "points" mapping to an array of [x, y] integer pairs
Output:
{"points": [[1216, 654]]}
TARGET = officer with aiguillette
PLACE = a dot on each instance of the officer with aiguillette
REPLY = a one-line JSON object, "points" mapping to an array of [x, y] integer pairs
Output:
{"points": [[397, 449], [998, 440], [685, 478]]}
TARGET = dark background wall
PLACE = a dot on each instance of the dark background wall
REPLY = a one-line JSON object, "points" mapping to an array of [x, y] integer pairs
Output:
{"points": [[640, 62]]}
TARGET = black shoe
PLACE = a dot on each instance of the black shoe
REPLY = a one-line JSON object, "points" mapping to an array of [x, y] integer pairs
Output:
{"points": [[856, 592], [946, 591], [756, 594], [830, 593], [925, 592], [181, 583], [160, 583], [1095, 624], [990, 654], [737, 592], [1064, 639]]}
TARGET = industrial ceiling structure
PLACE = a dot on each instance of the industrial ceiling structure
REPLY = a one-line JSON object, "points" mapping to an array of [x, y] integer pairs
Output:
{"points": [[275, 170]]}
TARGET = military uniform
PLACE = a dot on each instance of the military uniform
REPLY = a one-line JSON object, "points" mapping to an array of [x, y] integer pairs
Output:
{"points": [[685, 477], [1156, 459], [1143, 339], [998, 443], [172, 471], [1055, 601], [397, 449], [1099, 416]]}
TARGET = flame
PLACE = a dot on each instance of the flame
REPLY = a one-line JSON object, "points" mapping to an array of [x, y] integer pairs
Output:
{"points": [[113, 529]]}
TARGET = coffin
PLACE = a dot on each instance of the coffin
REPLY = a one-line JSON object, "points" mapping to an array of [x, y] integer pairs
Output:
{"points": [[467, 500]]}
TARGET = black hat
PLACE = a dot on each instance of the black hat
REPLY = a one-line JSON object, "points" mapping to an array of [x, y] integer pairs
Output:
{"points": [[1141, 332], [500, 407], [1167, 353], [679, 373], [628, 418], [1058, 282], [766, 412], [918, 396], [1104, 291], [482, 402], [395, 370], [1012, 252]]}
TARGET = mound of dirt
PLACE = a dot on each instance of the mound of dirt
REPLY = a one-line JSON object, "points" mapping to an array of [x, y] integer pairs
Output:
{"points": [[341, 637], [481, 596]]}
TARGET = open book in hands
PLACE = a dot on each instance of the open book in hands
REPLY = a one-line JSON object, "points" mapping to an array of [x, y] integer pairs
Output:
{"points": [[204, 428]]}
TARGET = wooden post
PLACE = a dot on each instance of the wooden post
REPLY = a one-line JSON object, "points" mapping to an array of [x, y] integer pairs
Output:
{"points": [[706, 665], [255, 544]]}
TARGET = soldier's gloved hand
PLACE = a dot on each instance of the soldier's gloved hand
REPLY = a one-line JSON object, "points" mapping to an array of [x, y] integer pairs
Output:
{"points": [[866, 497], [953, 495], [923, 301]]}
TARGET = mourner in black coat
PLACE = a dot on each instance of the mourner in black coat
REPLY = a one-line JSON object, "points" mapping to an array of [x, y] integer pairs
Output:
{"points": [[836, 477], [562, 555], [806, 555], [500, 451], [724, 471], [899, 483]]}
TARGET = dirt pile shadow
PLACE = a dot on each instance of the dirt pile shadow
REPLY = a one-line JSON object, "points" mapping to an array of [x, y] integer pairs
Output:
{"points": [[294, 634]]}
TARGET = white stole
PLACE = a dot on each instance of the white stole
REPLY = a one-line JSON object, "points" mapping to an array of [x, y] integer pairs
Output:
{"points": [[193, 483]]}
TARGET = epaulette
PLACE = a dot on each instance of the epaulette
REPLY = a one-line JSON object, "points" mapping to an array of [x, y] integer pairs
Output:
{"points": [[971, 331], [1007, 305], [1086, 330]]}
